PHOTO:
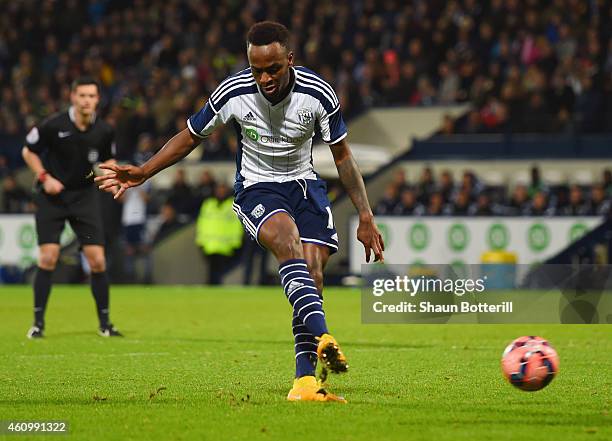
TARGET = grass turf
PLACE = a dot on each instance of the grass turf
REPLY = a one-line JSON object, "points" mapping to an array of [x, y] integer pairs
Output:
{"points": [[215, 364]]}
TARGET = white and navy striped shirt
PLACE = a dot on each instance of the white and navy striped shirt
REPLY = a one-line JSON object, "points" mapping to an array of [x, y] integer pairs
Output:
{"points": [[274, 140]]}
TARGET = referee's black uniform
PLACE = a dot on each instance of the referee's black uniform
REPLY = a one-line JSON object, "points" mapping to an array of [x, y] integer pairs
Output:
{"points": [[68, 155]]}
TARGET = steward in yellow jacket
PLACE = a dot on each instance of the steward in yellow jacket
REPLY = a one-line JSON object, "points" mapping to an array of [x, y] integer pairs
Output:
{"points": [[218, 232]]}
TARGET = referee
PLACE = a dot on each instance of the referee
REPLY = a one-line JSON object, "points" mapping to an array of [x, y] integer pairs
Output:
{"points": [[61, 152]]}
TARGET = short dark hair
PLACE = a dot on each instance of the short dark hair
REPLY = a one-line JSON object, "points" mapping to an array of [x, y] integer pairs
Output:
{"points": [[268, 32], [84, 81]]}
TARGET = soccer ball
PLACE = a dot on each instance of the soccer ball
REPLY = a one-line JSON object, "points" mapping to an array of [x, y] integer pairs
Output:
{"points": [[530, 363]]}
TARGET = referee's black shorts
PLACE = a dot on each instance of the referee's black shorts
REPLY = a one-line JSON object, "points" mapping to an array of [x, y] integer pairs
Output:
{"points": [[80, 207]]}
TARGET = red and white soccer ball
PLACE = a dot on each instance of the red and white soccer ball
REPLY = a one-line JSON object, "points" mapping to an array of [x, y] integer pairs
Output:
{"points": [[530, 363]]}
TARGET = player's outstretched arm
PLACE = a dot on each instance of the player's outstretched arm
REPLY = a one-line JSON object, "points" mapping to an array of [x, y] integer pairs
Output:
{"points": [[350, 176], [126, 176]]}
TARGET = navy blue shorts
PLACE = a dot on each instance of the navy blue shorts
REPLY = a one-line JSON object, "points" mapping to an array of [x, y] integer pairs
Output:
{"points": [[134, 234], [305, 200]]}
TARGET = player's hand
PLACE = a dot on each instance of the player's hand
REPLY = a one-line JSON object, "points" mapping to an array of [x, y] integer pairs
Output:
{"points": [[369, 235], [52, 186], [118, 178]]}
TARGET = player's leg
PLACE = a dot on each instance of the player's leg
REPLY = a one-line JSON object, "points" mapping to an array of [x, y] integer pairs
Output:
{"points": [[280, 235], [316, 257], [311, 337], [50, 218], [85, 219], [100, 287], [265, 213], [306, 363], [47, 261], [320, 240], [48, 256], [327, 347]]}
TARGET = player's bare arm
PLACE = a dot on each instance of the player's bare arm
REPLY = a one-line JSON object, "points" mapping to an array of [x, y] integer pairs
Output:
{"points": [[126, 176], [50, 184], [351, 179]]}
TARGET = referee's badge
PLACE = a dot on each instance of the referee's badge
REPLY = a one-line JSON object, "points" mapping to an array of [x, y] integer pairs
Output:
{"points": [[305, 116], [93, 156]]}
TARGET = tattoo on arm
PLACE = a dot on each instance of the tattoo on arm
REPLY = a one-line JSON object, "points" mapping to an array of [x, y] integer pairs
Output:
{"points": [[351, 179]]}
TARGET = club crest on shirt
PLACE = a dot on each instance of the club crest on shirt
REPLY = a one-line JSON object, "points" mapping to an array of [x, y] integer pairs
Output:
{"points": [[258, 211], [93, 156], [305, 116]]}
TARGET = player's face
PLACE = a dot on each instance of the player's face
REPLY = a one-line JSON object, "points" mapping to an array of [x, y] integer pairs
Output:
{"points": [[270, 67], [85, 99]]}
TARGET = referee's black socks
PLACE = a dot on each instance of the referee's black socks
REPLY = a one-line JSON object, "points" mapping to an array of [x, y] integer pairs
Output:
{"points": [[99, 289], [42, 288]]}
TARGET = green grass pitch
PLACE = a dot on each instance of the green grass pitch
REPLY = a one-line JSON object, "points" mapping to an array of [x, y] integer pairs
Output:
{"points": [[216, 364]]}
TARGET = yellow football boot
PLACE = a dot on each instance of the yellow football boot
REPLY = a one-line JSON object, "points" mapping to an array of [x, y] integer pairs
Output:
{"points": [[330, 354], [309, 389]]}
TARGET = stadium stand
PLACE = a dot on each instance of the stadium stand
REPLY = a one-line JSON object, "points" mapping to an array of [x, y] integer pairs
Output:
{"points": [[524, 65], [519, 67]]}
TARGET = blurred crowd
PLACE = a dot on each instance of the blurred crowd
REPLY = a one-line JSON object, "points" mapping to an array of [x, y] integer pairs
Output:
{"points": [[144, 217], [430, 195], [469, 196], [525, 65]]}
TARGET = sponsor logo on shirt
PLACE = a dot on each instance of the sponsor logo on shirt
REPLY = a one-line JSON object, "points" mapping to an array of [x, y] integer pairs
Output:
{"points": [[64, 134], [277, 139], [252, 134]]}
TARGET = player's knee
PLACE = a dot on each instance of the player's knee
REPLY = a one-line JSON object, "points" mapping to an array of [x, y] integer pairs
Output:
{"points": [[47, 260], [292, 247], [287, 248], [97, 264]]}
